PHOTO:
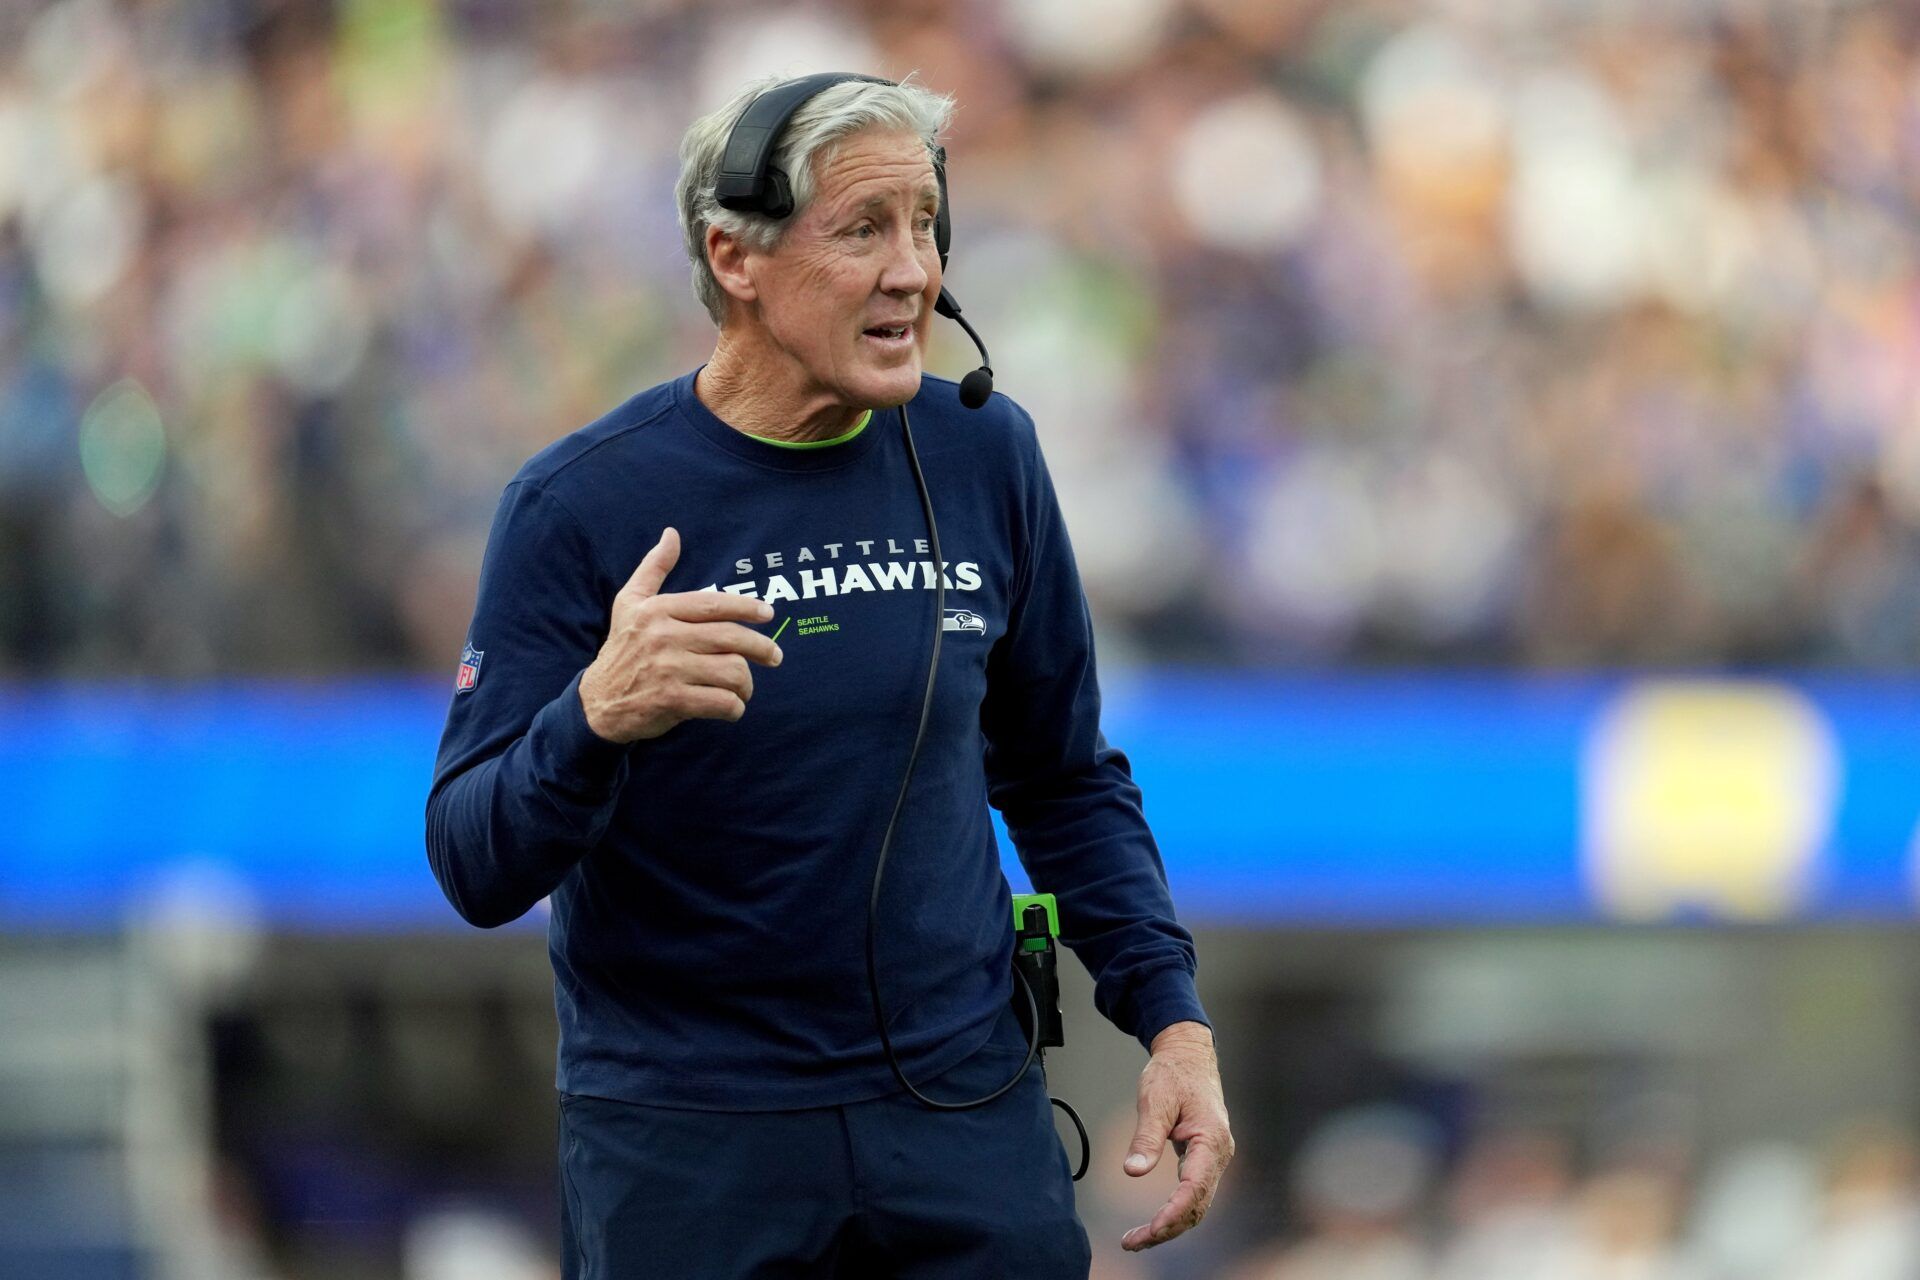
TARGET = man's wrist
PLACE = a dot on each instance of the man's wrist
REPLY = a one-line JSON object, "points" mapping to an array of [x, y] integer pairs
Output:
{"points": [[587, 701], [581, 752], [1182, 1033]]}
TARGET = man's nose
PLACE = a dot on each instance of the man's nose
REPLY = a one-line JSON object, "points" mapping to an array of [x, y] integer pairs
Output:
{"points": [[905, 270]]}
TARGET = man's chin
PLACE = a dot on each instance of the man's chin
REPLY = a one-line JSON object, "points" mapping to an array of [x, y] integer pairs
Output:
{"points": [[890, 387]]}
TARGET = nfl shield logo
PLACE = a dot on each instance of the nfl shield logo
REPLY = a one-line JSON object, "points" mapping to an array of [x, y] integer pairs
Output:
{"points": [[469, 669]]}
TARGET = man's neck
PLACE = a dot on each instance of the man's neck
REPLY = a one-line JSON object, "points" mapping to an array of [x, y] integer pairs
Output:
{"points": [[760, 398]]}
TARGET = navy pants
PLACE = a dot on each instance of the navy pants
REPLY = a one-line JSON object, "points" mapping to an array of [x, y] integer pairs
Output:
{"points": [[881, 1188]]}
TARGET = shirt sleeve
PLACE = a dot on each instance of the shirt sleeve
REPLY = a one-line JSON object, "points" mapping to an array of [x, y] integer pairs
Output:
{"points": [[1068, 796], [522, 786]]}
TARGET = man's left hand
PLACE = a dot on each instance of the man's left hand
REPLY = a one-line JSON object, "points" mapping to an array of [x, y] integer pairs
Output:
{"points": [[1180, 1098]]}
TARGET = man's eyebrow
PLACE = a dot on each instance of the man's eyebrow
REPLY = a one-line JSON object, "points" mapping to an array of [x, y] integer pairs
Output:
{"points": [[929, 194]]}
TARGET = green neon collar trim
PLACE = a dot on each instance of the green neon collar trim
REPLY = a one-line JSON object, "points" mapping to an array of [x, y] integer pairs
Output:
{"points": [[858, 427]]}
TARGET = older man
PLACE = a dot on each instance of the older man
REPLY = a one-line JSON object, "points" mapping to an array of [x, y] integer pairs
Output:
{"points": [[707, 832]]}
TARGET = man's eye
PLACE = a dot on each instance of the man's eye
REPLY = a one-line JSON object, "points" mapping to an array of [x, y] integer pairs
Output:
{"points": [[926, 223]]}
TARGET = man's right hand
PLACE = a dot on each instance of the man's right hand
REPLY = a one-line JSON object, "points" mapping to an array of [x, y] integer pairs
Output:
{"points": [[668, 658]]}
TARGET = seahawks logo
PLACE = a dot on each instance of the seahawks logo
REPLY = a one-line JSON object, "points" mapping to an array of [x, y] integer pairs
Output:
{"points": [[963, 620]]}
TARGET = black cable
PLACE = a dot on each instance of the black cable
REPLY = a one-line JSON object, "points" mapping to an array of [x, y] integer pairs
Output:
{"points": [[886, 843], [1086, 1144]]}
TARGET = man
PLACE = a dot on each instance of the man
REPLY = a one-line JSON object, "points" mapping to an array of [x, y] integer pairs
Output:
{"points": [[707, 831]]}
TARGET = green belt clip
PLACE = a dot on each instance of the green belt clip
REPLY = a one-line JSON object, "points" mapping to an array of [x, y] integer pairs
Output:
{"points": [[1028, 939], [1036, 923]]}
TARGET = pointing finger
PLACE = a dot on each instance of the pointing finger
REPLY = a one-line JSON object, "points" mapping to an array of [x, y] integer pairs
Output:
{"points": [[655, 565], [715, 606]]}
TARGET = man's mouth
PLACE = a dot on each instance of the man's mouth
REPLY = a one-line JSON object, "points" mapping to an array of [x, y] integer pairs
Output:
{"points": [[891, 338]]}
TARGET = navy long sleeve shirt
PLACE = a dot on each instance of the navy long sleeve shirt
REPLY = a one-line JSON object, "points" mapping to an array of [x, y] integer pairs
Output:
{"points": [[708, 888]]}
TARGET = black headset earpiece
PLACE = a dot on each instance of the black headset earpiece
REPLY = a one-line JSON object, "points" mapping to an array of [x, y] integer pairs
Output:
{"points": [[943, 217], [750, 182]]}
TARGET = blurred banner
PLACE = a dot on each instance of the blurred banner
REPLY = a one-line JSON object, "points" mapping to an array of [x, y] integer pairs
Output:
{"points": [[1351, 799]]}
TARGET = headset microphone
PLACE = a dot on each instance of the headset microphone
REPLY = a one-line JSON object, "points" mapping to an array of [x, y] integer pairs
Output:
{"points": [[977, 386]]}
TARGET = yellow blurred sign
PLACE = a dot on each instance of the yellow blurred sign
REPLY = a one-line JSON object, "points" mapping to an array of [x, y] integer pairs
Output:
{"points": [[1706, 797]]}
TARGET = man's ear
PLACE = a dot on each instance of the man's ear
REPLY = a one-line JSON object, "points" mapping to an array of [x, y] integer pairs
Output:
{"points": [[727, 258]]}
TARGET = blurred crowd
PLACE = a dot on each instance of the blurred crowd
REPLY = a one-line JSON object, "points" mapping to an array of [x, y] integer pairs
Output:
{"points": [[1543, 332], [1373, 1201], [1370, 1196]]}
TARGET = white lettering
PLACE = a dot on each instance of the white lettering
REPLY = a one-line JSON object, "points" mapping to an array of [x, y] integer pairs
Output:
{"points": [[806, 554], [920, 545], [835, 548], [774, 560], [882, 575], [894, 548], [743, 566], [865, 545], [893, 575]]}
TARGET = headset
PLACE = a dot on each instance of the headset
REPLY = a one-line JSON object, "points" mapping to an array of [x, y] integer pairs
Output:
{"points": [[749, 182]]}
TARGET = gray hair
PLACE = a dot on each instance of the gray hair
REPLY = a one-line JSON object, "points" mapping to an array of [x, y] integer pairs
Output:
{"points": [[809, 141]]}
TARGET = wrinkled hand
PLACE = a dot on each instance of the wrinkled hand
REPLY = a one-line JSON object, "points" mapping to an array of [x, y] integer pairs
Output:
{"points": [[1180, 1097], [673, 657]]}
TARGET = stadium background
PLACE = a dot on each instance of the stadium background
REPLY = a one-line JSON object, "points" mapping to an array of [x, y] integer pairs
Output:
{"points": [[1490, 432]]}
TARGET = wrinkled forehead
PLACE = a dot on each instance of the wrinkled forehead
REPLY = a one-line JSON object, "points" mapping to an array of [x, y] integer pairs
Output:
{"points": [[876, 167]]}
